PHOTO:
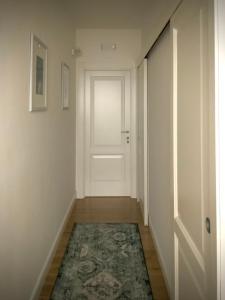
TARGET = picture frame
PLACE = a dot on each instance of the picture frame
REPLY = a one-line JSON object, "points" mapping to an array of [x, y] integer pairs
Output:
{"points": [[38, 75], [65, 89]]}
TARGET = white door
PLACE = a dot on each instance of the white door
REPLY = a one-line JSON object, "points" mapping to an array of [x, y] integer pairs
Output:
{"points": [[190, 149], [107, 109], [160, 204], [142, 159]]}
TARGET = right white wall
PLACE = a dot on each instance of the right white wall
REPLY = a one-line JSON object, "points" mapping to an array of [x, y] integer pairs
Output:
{"points": [[156, 17]]}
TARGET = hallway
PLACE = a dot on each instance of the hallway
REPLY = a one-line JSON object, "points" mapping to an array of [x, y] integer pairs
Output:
{"points": [[108, 210], [113, 111]]}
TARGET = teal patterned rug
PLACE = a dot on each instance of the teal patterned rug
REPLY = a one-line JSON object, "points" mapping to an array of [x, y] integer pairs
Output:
{"points": [[103, 262]]}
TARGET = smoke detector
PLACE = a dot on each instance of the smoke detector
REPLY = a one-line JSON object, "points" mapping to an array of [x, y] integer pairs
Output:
{"points": [[108, 47]]}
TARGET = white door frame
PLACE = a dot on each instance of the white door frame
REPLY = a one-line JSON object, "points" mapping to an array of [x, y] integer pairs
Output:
{"points": [[81, 67], [146, 142], [219, 48], [144, 205]]}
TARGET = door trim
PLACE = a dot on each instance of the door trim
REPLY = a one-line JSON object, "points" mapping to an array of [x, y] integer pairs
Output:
{"points": [[81, 68], [219, 69], [146, 171], [144, 202]]}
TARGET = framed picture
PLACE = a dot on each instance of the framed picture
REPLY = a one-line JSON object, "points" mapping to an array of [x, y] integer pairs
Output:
{"points": [[38, 75], [65, 86]]}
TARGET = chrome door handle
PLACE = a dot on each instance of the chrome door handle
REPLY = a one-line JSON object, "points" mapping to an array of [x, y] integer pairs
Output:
{"points": [[125, 131]]}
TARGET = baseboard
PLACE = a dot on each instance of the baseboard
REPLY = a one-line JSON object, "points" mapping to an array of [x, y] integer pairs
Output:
{"points": [[140, 202], [161, 260], [141, 207], [74, 196], [40, 281]]}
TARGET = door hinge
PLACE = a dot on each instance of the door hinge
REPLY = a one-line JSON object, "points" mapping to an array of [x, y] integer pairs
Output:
{"points": [[208, 225]]}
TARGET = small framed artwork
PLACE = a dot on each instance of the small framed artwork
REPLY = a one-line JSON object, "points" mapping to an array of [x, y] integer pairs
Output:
{"points": [[38, 75], [65, 85]]}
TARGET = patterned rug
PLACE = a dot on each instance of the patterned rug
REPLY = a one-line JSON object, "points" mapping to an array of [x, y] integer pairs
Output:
{"points": [[103, 262]]}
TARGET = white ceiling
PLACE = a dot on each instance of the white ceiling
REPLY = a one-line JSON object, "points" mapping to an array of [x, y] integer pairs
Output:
{"points": [[110, 13]]}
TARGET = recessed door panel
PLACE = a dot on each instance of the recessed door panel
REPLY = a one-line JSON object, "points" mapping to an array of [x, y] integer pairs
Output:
{"points": [[107, 168], [189, 127], [188, 279], [108, 102]]}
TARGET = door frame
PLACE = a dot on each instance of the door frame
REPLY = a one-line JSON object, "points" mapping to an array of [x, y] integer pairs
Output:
{"points": [[146, 171], [81, 68], [144, 205], [219, 95]]}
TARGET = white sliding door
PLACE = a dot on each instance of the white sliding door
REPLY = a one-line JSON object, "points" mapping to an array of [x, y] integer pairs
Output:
{"points": [[159, 142], [191, 152]]}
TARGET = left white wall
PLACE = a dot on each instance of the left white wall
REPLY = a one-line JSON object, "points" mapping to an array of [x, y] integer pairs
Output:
{"points": [[36, 149]]}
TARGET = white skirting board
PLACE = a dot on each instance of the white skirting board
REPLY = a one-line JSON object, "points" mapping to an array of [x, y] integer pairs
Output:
{"points": [[40, 281], [161, 260], [140, 201]]}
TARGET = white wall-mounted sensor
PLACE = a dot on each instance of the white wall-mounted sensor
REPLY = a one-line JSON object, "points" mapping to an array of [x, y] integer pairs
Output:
{"points": [[76, 52], [108, 47]]}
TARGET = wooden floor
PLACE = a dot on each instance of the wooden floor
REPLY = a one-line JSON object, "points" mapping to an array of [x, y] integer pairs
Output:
{"points": [[114, 210]]}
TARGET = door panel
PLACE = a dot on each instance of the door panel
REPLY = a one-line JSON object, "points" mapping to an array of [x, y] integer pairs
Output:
{"points": [[190, 129], [107, 110], [187, 279], [190, 126], [159, 147], [107, 167]]}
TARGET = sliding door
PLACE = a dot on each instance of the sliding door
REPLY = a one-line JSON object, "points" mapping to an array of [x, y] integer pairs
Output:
{"points": [[192, 219], [159, 141]]}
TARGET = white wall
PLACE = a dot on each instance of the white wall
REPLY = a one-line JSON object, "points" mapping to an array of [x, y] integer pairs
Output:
{"points": [[36, 149], [116, 14], [128, 43], [92, 58], [159, 141], [149, 17], [157, 14]]}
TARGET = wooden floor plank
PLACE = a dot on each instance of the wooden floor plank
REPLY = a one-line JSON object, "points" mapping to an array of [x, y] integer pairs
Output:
{"points": [[108, 210]]}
